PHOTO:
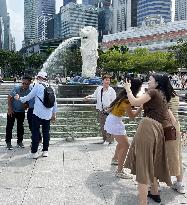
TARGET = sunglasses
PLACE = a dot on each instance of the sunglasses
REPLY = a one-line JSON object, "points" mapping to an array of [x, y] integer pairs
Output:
{"points": [[25, 83]]}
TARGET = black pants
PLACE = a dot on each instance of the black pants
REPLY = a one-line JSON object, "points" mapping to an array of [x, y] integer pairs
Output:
{"points": [[30, 119], [19, 116], [35, 133]]}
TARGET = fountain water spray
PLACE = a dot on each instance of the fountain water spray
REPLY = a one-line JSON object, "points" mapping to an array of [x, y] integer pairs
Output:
{"points": [[55, 59]]}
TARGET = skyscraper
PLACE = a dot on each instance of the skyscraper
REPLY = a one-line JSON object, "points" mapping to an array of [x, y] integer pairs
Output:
{"points": [[54, 27], [104, 17], [180, 10], [119, 16], [76, 16], [6, 22], [1, 33], [153, 8], [46, 7], [45, 12], [69, 1], [134, 4], [36, 15], [3, 8], [30, 21]]}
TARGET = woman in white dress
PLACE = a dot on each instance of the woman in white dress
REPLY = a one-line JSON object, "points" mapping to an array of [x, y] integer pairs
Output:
{"points": [[114, 126]]}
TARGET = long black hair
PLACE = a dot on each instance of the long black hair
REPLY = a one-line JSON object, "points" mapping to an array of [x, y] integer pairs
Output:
{"points": [[136, 84], [164, 85]]}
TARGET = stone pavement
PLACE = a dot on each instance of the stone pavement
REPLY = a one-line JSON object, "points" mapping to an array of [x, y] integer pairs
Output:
{"points": [[75, 173]]}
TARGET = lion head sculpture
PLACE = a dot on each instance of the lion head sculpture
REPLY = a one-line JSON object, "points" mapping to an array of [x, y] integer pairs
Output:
{"points": [[88, 33]]}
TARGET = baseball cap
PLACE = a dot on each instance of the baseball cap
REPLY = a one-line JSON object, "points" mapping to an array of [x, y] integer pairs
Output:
{"points": [[42, 74]]}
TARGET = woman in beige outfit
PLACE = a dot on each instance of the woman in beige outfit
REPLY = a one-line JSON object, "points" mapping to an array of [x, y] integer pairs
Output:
{"points": [[147, 157], [173, 148]]}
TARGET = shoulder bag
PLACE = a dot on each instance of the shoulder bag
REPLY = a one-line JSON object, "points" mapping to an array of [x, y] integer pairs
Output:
{"points": [[170, 132]]}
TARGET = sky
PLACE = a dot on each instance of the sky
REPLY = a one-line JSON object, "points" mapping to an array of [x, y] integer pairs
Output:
{"points": [[16, 11]]}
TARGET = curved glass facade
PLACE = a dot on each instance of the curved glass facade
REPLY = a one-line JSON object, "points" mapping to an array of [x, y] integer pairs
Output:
{"points": [[153, 8]]}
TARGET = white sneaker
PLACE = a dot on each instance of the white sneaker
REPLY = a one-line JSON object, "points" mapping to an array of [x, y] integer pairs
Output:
{"points": [[178, 187], [33, 155], [123, 175], [40, 146], [45, 154], [114, 162]]}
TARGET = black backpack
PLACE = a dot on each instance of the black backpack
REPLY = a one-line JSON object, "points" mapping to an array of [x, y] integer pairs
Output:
{"points": [[49, 97]]}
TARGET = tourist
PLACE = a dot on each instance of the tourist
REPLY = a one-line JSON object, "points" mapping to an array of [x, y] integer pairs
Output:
{"points": [[16, 110], [41, 115], [30, 116], [104, 95], [114, 125], [1, 80], [147, 157], [15, 79], [173, 148]]}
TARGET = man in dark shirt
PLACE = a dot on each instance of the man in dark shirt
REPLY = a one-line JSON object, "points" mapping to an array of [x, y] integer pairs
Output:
{"points": [[16, 110]]}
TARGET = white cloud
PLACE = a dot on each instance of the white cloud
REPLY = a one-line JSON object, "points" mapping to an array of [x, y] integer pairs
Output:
{"points": [[16, 11]]}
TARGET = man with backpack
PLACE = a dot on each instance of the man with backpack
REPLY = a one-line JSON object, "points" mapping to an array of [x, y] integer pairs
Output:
{"points": [[45, 108]]}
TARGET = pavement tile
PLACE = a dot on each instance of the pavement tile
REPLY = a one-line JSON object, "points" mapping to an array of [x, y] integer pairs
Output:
{"points": [[11, 196]]}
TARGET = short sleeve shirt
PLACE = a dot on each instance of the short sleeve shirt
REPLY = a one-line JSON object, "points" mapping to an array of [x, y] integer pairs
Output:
{"points": [[157, 107], [17, 105], [119, 108]]}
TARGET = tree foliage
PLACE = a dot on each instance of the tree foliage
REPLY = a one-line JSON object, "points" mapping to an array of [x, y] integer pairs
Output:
{"points": [[180, 53], [72, 60], [117, 58], [141, 60], [13, 63]]}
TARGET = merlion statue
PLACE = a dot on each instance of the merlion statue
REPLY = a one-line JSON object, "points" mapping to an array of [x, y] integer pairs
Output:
{"points": [[89, 53]]}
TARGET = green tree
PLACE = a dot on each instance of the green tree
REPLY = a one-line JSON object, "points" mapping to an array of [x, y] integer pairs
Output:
{"points": [[72, 60], [180, 52], [141, 60], [11, 63], [35, 61], [16, 63], [115, 59]]}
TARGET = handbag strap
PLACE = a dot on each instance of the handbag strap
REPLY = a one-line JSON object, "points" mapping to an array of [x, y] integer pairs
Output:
{"points": [[102, 98]]}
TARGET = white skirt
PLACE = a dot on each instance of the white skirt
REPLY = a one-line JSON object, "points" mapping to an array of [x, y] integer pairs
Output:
{"points": [[114, 125]]}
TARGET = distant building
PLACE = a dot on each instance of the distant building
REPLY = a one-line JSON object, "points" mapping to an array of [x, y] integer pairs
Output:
{"points": [[36, 15], [180, 10], [54, 27], [134, 7], [104, 17], [153, 36], [147, 8], [119, 16], [1, 33], [45, 12], [46, 8], [3, 8], [76, 16], [30, 22], [69, 1], [40, 47], [6, 22], [12, 44]]}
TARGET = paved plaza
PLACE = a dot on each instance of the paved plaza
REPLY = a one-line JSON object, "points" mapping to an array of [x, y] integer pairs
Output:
{"points": [[75, 173]]}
